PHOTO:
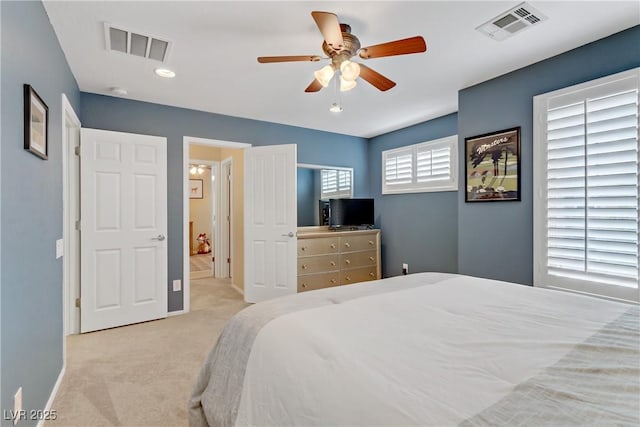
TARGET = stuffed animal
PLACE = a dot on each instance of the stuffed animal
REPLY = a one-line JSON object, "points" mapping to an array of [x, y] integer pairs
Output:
{"points": [[204, 244]]}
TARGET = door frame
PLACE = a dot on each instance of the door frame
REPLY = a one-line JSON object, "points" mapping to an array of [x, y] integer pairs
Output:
{"points": [[70, 205], [226, 227], [186, 141]]}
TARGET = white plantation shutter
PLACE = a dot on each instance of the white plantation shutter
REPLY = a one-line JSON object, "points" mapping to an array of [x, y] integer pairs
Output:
{"points": [[399, 167], [433, 164], [429, 166], [336, 183], [590, 214]]}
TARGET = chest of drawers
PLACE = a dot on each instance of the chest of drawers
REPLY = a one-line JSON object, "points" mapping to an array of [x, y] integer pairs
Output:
{"points": [[333, 258]]}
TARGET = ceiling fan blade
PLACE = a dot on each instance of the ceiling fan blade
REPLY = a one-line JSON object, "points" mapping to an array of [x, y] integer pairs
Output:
{"points": [[329, 26], [398, 47], [315, 86], [268, 59], [375, 78]]}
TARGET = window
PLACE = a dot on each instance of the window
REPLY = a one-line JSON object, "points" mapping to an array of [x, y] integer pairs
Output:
{"points": [[586, 186], [336, 183], [429, 166]]}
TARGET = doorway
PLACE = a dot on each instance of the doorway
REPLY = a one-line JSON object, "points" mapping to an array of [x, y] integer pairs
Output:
{"points": [[203, 206], [230, 156]]}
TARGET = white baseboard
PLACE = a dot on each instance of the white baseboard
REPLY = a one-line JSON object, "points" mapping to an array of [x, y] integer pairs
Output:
{"points": [[175, 313], [240, 291], [52, 396]]}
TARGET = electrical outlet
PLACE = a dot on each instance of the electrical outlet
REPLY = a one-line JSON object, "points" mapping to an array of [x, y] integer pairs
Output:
{"points": [[17, 406], [405, 268], [59, 248], [177, 285]]}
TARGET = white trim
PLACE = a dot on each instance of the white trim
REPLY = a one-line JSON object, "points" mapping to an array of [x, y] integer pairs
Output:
{"points": [[176, 313], [186, 140], [236, 288], [226, 231], [541, 278], [70, 180], [54, 392]]}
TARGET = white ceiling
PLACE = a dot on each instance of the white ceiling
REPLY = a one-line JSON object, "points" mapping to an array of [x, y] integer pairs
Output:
{"points": [[215, 45]]}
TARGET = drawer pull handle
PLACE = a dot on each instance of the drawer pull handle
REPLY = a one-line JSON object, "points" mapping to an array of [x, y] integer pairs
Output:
{"points": [[304, 285], [304, 266], [371, 258], [371, 274], [333, 263], [347, 244], [304, 248], [348, 279], [334, 281], [347, 261], [371, 242], [333, 246]]}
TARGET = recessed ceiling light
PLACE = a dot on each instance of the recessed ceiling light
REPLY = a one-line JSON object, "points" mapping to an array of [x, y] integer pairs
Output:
{"points": [[120, 91], [165, 72]]}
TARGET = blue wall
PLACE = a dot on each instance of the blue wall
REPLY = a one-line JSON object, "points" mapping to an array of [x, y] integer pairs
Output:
{"points": [[117, 114], [31, 218], [420, 229], [495, 240]]}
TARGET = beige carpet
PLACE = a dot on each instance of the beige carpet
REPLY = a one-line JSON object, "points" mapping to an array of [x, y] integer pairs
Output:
{"points": [[200, 262], [142, 375]]}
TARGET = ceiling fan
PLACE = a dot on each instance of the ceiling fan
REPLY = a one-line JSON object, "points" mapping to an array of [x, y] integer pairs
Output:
{"points": [[340, 46]]}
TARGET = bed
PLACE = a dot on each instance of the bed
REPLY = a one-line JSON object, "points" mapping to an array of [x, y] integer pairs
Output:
{"points": [[425, 349]]}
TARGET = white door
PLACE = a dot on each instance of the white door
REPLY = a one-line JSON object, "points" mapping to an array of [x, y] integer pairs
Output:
{"points": [[270, 212], [123, 208]]}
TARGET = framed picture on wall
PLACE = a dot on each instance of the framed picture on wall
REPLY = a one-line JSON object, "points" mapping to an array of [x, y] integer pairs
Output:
{"points": [[36, 123], [195, 189], [492, 166]]}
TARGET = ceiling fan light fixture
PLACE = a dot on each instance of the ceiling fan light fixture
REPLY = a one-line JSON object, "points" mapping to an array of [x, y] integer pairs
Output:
{"points": [[346, 85], [324, 75], [349, 70]]}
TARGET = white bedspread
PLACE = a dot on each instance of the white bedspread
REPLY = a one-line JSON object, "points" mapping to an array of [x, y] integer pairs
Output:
{"points": [[442, 350]]}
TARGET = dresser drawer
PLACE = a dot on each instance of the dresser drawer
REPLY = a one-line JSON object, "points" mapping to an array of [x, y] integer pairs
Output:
{"points": [[309, 282], [317, 264], [358, 243], [358, 275], [358, 259], [319, 246]]}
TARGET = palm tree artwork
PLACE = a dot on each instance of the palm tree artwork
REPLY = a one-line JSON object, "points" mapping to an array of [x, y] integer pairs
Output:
{"points": [[492, 166]]}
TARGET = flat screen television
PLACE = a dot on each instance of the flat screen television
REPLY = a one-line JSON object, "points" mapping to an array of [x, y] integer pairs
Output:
{"points": [[350, 213]]}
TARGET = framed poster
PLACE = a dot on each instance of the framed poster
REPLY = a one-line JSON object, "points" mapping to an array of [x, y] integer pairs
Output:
{"points": [[36, 123], [195, 189], [492, 166]]}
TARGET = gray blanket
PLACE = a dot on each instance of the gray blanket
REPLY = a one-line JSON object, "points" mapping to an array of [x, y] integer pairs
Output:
{"points": [[595, 384]]}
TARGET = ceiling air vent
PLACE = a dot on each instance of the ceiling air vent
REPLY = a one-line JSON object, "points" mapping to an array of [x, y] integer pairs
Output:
{"points": [[134, 43], [512, 21]]}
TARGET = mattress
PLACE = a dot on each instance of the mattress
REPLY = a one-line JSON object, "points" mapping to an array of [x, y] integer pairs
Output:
{"points": [[424, 349]]}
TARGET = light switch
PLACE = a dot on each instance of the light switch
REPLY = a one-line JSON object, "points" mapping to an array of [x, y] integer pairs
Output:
{"points": [[59, 248]]}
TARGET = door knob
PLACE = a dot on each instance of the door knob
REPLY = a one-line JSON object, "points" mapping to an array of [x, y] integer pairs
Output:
{"points": [[159, 238], [289, 234]]}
